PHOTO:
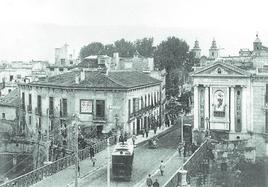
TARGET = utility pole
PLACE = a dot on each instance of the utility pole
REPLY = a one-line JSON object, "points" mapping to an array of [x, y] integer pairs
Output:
{"points": [[76, 151], [108, 162], [48, 139], [182, 127]]}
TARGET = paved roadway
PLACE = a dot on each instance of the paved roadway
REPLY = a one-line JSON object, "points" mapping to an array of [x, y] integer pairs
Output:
{"points": [[145, 161]]}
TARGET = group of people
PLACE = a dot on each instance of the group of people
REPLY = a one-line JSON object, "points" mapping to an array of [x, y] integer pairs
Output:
{"points": [[186, 148], [149, 180], [123, 138]]}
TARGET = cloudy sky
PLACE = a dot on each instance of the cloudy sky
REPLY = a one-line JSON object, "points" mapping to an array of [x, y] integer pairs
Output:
{"points": [[31, 29]]}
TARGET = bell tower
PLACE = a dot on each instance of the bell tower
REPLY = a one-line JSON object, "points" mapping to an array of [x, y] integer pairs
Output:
{"points": [[196, 50], [213, 51], [257, 45]]}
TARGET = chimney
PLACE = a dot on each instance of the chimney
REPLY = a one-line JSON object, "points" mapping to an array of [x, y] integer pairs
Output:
{"points": [[82, 75]]}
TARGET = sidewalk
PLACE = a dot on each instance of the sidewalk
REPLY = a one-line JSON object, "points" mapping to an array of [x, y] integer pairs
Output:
{"points": [[66, 177]]}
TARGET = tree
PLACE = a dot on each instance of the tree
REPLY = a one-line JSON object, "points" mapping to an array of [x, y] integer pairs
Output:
{"points": [[172, 54], [145, 47], [124, 48], [94, 48], [109, 50]]}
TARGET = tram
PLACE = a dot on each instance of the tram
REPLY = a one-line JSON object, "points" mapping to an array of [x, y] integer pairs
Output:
{"points": [[187, 133], [122, 160]]}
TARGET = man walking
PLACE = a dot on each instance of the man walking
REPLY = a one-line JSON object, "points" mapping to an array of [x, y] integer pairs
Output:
{"points": [[149, 181], [161, 168], [146, 131], [91, 152], [93, 161], [134, 139]]}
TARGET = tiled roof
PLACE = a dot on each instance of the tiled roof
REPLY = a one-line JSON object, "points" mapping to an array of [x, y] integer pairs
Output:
{"points": [[11, 99], [97, 79]]}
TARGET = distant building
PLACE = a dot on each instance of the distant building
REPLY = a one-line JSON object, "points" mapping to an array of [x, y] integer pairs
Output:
{"points": [[64, 56], [18, 71], [65, 60], [102, 100], [9, 112], [231, 95]]}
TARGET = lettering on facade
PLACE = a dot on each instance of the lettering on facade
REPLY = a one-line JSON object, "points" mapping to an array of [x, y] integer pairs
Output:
{"points": [[86, 106]]}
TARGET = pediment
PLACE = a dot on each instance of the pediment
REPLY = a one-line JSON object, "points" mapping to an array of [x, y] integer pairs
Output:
{"points": [[221, 69]]}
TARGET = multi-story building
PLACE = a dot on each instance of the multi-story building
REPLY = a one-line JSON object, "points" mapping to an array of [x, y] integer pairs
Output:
{"points": [[9, 112], [230, 96], [101, 100], [18, 71]]}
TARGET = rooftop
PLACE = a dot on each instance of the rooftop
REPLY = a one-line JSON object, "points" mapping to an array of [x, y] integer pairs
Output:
{"points": [[11, 99], [97, 79]]}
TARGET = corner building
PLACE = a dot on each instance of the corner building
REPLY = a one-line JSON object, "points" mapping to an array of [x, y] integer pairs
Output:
{"points": [[101, 100]]}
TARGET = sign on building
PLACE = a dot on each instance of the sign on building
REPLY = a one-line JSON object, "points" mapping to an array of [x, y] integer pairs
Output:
{"points": [[86, 106]]}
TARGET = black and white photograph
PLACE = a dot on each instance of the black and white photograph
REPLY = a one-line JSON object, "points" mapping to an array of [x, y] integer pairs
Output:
{"points": [[133, 93]]}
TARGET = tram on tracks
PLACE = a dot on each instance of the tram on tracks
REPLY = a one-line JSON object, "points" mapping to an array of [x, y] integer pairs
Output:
{"points": [[122, 161]]}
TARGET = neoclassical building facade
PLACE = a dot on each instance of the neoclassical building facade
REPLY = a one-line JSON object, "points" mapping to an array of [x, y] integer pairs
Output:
{"points": [[222, 101], [232, 102]]}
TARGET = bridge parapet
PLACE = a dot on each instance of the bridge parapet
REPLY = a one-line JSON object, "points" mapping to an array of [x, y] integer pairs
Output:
{"points": [[192, 166], [50, 169]]}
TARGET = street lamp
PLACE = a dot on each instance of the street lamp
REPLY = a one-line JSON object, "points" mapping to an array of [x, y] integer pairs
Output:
{"points": [[116, 117]]}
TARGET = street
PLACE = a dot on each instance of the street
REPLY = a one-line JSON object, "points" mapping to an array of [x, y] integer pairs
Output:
{"points": [[146, 161]]}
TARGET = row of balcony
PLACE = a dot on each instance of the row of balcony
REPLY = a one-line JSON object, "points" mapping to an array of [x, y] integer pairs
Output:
{"points": [[52, 113], [143, 110], [38, 111]]}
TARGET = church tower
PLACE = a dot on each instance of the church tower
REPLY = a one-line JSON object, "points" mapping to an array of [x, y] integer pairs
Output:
{"points": [[196, 50], [257, 45], [213, 51]]}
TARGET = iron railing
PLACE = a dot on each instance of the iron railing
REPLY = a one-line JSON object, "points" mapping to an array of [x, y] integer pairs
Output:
{"points": [[48, 170], [192, 165]]}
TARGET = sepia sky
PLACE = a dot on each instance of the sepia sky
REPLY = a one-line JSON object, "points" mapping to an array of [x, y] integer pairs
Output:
{"points": [[31, 29]]}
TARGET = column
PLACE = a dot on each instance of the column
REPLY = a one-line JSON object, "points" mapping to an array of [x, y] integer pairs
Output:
{"points": [[232, 110], [206, 104], [244, 101], [196, 107]]}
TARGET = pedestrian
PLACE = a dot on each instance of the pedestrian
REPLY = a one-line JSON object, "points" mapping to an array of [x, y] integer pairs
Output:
{"points": [[179, 149], [185, 150], [161, 168], [143, 132], [125, 136], [91, 152], [93, 161], [155, 128], [149, 181], [156, 183], [78, 168], [121, 138], [146, 131], [134, 139]]}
